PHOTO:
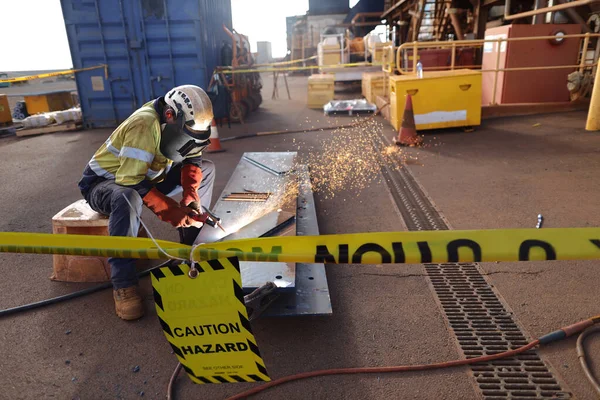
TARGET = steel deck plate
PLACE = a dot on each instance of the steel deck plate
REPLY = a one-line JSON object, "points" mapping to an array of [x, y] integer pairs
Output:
{"points": [[258, 172], [311, 296]]}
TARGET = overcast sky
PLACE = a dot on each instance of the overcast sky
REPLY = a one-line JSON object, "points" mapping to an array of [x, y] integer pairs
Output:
{"points": [[34, 37]]}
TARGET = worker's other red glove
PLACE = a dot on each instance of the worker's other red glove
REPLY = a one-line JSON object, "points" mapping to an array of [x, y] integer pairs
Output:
{"points": [[168, 210], [191, 177]]}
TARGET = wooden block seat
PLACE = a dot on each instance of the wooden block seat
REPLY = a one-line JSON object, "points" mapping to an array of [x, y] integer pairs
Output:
{"points": [[79, 219]]}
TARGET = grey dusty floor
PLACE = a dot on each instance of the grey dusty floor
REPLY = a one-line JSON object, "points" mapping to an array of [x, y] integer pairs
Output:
{"points": [[500, 176]]}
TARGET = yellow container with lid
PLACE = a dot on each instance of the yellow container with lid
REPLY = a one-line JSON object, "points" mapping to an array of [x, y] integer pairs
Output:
{"points": [[376, 51], [321, 89], [5, 116], [330, 54], [440, 99], [46, 102], [373, 85]]}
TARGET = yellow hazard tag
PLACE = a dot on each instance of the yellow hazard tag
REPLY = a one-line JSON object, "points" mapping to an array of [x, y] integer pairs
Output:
{"points": [[205, 322]]}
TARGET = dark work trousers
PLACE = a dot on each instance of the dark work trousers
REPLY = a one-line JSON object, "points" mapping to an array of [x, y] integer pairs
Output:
{"points": [[108, 198]]}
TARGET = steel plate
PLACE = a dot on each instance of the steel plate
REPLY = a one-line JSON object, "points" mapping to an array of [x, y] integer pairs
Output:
{"points": [[311, 296], [264, 173]]}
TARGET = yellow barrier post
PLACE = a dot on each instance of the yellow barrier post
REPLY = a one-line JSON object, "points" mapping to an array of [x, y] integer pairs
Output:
{"points": [[593, 119]]}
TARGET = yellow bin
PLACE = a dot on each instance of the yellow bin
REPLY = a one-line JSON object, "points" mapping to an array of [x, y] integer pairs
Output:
{"points": [[372, 85], [5, 116], [46, 102], [376, 51], [321, 89], [441, 99], [330, 54]]}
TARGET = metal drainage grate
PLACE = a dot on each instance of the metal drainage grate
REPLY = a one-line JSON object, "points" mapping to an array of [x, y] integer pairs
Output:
{"points": [[481, 322], [483, 326]]}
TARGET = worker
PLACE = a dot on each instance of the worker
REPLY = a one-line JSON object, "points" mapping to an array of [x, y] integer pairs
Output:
{"points": [[153, 153]]}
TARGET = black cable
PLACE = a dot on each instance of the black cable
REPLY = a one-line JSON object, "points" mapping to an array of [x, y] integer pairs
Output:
{"points": [[69, 296]]}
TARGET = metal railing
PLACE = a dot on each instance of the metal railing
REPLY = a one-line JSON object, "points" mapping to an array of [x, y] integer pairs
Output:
{"points": [[499, 42]]}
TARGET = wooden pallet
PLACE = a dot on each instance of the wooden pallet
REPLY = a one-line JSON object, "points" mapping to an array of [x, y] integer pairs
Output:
{"points": [[66, 127]]}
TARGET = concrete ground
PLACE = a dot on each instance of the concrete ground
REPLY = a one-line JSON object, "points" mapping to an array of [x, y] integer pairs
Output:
{"points": [[502, 175]]}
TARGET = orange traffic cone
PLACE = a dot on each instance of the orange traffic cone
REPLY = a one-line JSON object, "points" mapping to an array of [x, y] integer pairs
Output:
{"points": [[407, 135], [215, 142]]}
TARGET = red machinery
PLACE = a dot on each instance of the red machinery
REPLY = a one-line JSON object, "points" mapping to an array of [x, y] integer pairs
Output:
{"points": [[440, 59], [537, 86]]}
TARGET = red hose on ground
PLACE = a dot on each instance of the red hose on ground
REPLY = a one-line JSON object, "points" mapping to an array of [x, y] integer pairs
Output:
{"points": [[371, 370]]}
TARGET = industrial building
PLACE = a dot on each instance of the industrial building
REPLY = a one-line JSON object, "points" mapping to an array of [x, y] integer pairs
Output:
{"points": [[403, 205]]}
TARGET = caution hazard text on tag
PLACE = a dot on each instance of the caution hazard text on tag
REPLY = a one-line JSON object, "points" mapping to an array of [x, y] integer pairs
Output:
{"points": [[205, 322]]}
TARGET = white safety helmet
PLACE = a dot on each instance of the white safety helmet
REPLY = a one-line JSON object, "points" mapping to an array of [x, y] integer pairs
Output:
{"points": [[196, 107]]}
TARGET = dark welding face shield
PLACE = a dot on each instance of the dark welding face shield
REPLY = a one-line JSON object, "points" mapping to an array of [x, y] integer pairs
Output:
{"points": [[179, 140]]}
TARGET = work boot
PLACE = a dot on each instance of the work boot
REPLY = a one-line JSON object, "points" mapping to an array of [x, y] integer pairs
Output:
{"points": [[128, 303]]}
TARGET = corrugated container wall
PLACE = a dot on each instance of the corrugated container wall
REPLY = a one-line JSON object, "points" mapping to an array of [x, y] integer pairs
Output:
{"points": [[149, 47]]}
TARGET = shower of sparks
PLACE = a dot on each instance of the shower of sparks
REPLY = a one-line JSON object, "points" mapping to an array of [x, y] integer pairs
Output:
{"points": [[284, 198], [349, 160]]}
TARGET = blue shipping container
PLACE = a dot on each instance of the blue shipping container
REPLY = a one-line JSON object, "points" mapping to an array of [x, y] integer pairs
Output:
{"points": [[149, 46]]}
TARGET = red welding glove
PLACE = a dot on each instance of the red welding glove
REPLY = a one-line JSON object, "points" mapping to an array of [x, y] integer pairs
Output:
{"points": [[191, 177], [168, 210]]}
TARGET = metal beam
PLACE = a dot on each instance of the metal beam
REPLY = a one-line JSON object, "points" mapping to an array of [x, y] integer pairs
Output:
{"points": [[574, 15], [389, 10]]}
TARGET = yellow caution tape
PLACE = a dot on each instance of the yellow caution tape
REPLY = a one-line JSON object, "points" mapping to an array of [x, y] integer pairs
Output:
{"points": [[276, 63], [250, 70], [355, 248], [86, 245], [57, 73], [206, 322]]}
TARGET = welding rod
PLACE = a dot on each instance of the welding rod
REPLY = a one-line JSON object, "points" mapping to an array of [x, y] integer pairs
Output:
{"points": [[252, 193], [264, 167], [243, 199]]}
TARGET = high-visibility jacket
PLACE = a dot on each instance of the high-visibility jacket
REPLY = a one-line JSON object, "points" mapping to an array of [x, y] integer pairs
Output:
{"points": [[131, 155]]}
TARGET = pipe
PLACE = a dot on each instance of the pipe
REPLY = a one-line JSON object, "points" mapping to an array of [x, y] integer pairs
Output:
{"points": [[234, 47], [558, 7], [456, 23], [574, 15], [389, 10], [584, 48], [480, 43], [228, 32], [539, 18], [364, 14]]}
